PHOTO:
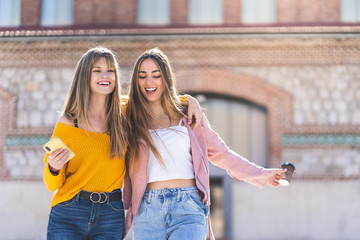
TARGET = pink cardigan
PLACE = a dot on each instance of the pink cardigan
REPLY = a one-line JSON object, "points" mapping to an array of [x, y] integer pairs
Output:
{"points": [[206, 145]]}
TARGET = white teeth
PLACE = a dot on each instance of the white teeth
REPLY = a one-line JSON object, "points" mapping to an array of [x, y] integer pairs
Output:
{"points": [[150, 89], [104, 83]]}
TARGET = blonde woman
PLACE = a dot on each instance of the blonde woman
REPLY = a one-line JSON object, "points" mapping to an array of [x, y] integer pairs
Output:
{"points": [[88, 201], [167, 185]]}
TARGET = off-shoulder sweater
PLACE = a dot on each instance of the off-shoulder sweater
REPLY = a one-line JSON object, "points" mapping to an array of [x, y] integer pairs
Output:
{"points": [[90, 170]]}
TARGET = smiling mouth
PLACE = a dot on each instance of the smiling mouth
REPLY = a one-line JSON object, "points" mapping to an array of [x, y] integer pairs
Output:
{"points": [[150, 89], [104, 83]]}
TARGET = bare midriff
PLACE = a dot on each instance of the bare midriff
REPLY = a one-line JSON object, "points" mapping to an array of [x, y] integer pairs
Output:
{"points": [[173, 183]]}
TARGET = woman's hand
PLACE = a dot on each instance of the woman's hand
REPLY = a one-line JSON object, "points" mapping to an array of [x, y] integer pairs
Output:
{"points": [[194, 111], [57, 159], [275, 176]]}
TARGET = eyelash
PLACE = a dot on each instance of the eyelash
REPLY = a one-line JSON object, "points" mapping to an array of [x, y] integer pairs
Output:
{"points": [[153, 77], [100, 71]]}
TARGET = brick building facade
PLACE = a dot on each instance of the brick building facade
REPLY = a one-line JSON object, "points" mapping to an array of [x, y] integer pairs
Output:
{"points": [[303, 70]]}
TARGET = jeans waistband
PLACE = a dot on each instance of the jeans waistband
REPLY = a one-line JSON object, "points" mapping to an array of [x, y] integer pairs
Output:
{"points": [[169, 192]]}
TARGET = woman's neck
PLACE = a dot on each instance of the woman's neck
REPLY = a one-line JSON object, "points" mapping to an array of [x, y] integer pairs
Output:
{"points": [[96, 115], [162, 118], [97, 106], [158, 112]]}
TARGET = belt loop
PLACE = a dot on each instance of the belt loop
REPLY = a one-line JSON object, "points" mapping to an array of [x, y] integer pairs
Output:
{"points": [[178, 197], [149, 196], [77, 196]]}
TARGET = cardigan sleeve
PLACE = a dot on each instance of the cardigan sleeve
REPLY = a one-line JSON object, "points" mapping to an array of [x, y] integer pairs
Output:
{"points": [[220, 155]]}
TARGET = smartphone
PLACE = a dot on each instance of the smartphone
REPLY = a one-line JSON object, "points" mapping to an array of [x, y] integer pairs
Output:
{"points": [[56, 143]]}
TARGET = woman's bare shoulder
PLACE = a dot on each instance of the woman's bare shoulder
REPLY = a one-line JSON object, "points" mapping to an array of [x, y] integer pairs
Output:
{"points": [[63, 119]]}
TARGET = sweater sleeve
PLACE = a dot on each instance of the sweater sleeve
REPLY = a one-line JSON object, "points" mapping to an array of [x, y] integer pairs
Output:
{"points": [[183, 99], [236, 166], [53, 182]]}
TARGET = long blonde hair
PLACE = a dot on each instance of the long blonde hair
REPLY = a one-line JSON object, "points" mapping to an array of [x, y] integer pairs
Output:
{"points": [[139, 114], [78, 99]]}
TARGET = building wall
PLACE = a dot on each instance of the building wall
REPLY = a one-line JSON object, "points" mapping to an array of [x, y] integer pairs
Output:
{"points": [[307, 94], [309, 86]]}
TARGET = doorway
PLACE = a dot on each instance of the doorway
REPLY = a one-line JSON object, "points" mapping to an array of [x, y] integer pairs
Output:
{"points": [[244, 128]]}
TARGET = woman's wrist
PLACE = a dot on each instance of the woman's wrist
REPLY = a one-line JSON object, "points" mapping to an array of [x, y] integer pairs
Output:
{"points": [[53, 171]]}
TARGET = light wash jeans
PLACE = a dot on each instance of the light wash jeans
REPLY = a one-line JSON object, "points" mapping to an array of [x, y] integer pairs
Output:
{"points": [[173, 214], [82, 219]]}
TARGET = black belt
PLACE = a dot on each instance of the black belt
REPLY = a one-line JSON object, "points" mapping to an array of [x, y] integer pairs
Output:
{"points": [[100, 197]]}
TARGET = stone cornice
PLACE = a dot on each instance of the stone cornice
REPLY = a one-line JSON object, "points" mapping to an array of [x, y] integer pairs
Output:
{"points": [[197, 30]]}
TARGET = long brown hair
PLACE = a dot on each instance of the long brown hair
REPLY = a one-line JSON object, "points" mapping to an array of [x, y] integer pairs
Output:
{"points": [[78, 99], [139, 114]]}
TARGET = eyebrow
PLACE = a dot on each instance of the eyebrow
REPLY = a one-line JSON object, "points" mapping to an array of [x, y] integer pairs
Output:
{"points": [[151, 72], [100, 67]]}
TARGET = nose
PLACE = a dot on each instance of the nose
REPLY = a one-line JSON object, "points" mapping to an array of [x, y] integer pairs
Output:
{"points": [[148, 80], [105, 74]]}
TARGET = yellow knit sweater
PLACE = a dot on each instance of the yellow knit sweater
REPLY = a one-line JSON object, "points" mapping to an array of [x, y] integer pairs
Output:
{"points": [[90, 170]]}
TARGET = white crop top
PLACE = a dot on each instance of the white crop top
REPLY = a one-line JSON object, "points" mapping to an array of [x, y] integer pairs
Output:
{"points": [[174, 148]]}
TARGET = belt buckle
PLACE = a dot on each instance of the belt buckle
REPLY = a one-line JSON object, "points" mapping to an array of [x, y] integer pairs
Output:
{"points": [[98, 194]]}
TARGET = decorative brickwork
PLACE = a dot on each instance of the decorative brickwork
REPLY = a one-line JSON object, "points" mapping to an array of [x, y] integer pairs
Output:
{"points": [[205, 50]]}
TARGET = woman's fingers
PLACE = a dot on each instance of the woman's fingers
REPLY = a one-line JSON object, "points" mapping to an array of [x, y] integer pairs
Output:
{"points": [[63, 156], [58, 158], [276, 176]]}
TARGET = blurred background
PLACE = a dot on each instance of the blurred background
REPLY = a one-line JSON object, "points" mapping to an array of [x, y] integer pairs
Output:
{"points": [[280, 80]]}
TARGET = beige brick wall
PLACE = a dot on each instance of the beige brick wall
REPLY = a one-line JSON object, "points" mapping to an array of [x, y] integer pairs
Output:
{"points": [[308, 85]]}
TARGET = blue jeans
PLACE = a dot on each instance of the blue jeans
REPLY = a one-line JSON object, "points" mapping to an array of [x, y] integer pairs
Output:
{"points": [[174, 214], [82, 219]]}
